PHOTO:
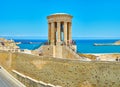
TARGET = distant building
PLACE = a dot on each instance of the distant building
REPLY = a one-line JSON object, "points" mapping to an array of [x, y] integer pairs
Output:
{"points": [[8, 45]]}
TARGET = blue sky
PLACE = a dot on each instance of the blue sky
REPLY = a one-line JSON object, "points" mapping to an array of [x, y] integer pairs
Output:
{"points": [[91, 18]]}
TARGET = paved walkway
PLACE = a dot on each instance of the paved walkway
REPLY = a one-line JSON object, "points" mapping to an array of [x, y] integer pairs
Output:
{"points": [[7, 81]]}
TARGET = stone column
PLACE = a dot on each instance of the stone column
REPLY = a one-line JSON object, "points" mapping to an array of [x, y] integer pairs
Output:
{"points": [[65, 32], [58, 33], [49, 32], [70, 32], [52, 33]]}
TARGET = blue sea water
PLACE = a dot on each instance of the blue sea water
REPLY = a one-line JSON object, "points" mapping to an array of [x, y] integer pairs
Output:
{"points": [[25, 44], [83, 46], [87, 46]]}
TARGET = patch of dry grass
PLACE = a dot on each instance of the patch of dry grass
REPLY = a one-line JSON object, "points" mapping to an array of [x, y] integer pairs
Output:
{"points": [[39, 64]]}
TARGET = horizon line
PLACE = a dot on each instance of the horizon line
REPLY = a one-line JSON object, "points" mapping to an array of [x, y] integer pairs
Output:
{"points": [[47, 36]]}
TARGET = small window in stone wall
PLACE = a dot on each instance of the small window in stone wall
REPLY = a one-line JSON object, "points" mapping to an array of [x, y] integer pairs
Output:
{"points": [[48, 48]]}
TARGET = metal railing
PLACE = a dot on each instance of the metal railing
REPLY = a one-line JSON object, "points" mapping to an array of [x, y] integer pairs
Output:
{"points": [[73, 42]]}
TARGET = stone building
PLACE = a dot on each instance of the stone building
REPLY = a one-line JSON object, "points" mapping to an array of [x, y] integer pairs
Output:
{"points": [[8, 45], [60, 43]]}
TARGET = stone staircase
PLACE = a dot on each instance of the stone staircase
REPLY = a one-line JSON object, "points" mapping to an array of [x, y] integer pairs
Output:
{"points": [[65, 48], [77, 55]]}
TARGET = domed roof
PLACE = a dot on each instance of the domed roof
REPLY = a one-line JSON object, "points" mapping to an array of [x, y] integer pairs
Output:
{"points": [[60, 14]]}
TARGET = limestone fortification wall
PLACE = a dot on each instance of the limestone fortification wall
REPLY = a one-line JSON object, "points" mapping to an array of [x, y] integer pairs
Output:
{"points": [[29, 82]]}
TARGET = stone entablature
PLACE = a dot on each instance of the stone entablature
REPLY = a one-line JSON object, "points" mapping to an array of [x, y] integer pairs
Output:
{"points": [[59, 18]]}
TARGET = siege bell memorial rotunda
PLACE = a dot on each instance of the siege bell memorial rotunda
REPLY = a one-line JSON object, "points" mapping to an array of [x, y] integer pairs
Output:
{"points": [[59, 29], [60, 43]]}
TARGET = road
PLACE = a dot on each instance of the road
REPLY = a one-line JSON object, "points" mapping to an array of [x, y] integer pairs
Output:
{"points": [[7, 81]]}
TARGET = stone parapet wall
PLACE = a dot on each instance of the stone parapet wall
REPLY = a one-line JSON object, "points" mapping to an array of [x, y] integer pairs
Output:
{"points": [[47, 50], [74, 47], [29, 82], [58, 51], [63, 51]]}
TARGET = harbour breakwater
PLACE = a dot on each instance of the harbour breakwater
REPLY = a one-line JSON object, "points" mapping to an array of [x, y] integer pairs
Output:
{"points": [[106, 44], [117, 43]]}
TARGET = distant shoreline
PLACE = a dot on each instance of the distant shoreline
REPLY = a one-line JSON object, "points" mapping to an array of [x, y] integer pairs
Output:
{"points": [[83, 46], [100, 53]]}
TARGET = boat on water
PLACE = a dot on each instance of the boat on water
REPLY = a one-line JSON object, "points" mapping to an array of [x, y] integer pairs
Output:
{"points": [[18, 43], [31, 43], [35, 42]]}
